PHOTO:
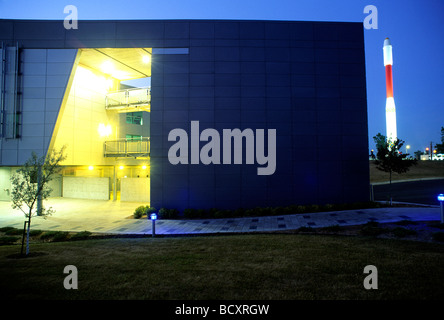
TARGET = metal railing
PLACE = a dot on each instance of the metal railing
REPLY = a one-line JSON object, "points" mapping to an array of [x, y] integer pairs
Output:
{"points": [[137, 97], [127, 148]]}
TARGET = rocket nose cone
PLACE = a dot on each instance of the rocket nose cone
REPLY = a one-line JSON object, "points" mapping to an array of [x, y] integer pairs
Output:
{"points": [[387, 42]]}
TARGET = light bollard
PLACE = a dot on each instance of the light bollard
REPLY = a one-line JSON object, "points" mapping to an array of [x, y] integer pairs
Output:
{"points": [[441, 200], [153, 218]]}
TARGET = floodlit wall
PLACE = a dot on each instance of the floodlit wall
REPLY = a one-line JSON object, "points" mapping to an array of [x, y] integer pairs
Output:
{"points": [[82, 116]]}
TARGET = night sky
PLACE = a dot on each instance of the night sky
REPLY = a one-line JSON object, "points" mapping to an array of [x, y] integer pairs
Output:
{"points": [[415, 28]]}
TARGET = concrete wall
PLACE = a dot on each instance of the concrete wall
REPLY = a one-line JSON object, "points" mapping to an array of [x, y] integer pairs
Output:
{"points": [[86, 188], [135, 189], [5, 184], [56, 184]]}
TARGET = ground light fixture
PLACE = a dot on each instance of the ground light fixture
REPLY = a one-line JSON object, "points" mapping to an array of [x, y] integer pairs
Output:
{"points": [[153, 218], [441, 200]]}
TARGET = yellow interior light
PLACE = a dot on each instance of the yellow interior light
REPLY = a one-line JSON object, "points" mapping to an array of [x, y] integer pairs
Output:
{"points": [[144, 167], [146, 59], [90, 168], [107, 67], [104, 130], [92, 81], [121, 167]]}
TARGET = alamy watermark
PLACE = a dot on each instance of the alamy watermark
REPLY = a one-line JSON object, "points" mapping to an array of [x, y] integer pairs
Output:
{"points": [[371, 281], [210, 153], [70, 281], [371, 21], [72, 19]]}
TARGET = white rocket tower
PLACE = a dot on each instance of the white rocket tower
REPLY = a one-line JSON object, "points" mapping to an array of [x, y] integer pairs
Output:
{"points": [[390, 111]]}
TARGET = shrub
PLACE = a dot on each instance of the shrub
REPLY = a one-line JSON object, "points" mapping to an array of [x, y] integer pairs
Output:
{"points": [[60, 236], [239, 212], [14, 232], [150, 210], [55, 235], [7, 240], [81, 235], [290, 209], [210, 213], [301, 209], [438, 236], [250, 213], [6, 229], [162, 213], [221, 214], [48, 235], [35, 233], [278, 211], [314, 208], [191, 213], [403, 232], [168, 213], [139, 212]]}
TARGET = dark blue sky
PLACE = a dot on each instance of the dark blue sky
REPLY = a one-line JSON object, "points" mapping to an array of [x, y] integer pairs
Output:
{"points": [[415, 28]]}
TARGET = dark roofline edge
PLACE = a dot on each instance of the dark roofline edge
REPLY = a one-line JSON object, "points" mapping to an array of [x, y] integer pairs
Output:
{"points": [[180, 20]]}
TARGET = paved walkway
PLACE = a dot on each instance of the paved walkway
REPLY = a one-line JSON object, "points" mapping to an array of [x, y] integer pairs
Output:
{"points": [[116, 218]]}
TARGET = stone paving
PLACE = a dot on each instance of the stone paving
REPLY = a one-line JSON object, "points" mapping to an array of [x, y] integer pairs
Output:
{"points": [[116, 218]]}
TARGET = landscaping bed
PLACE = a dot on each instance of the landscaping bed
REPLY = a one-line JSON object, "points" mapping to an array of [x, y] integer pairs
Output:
{"points": [[426, 231]]}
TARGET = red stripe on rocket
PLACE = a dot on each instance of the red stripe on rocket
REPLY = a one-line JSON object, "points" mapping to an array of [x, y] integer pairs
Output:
{"points": [[388, 62], [390, 109]]}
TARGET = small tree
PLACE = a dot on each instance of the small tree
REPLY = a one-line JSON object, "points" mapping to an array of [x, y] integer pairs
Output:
{"points": [[389, 159], [440, 146], [418, 154], [30, 186]]}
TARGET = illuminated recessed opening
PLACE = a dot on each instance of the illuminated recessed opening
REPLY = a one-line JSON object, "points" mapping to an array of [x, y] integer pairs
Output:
{"points": [[107, 85]]}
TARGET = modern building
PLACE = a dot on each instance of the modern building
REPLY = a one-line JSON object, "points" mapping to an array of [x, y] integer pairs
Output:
{"points": [[189, 113]]}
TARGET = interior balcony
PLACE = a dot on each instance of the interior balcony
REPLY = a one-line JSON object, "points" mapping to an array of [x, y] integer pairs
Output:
{"points": [[129, 100], [125, 148]]}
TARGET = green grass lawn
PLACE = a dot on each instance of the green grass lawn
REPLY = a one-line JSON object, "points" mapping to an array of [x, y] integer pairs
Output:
{"points": [[261, 266]]}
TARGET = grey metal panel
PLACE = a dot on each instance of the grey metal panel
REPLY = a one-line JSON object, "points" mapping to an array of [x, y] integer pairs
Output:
{"points": [[39, 30]]}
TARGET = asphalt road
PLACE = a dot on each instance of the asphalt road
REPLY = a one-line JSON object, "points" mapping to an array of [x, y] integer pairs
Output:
{"points": [[423, 192]]}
